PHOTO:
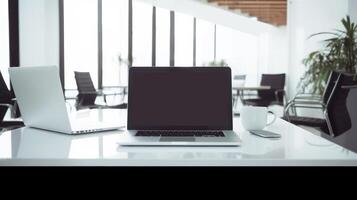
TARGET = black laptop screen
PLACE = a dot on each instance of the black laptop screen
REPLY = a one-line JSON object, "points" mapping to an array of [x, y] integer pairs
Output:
{"points": [[180, 99]]}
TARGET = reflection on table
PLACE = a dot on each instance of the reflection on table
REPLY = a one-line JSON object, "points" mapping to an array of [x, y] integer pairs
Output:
{"points": [[90, 100], [106, 91], [241, 94], [297, 147]]}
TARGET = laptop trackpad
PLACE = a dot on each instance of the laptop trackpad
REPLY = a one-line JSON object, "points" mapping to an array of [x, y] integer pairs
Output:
{"points": [[177, 139]]}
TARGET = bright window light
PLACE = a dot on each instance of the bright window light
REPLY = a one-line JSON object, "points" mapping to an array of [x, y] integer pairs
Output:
{"points": [[142, 34], [162, 37], [183, 40], [115, 42], [240, 51], [205, 42], [81, 39]]}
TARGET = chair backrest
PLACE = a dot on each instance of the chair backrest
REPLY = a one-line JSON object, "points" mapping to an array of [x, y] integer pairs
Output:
{"points": [[330, 84], [239, 77], [239, 80], [5, 97], [84, 82], [340, 106], [276, 82], [87, 92]]}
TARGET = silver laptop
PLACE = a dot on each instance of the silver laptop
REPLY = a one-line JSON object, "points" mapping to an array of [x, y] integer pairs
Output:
{"points": [[174, 106], [42, 104]]}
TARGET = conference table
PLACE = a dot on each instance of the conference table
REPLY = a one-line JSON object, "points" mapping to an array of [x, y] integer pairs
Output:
{"points": [[297, 147], [71, 94], [240, 89]]}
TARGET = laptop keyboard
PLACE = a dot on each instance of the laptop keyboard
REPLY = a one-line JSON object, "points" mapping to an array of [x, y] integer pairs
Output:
{"points": [[180, 134]]}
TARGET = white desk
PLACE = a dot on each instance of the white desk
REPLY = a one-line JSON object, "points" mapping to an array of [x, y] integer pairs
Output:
{"points": [[28, 147]]}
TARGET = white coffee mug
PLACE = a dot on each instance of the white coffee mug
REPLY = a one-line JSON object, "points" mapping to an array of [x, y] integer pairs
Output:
{"points": [[256, 118]]}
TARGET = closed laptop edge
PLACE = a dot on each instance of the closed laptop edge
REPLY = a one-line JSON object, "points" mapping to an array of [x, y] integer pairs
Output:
{"points": [[40, 98]]}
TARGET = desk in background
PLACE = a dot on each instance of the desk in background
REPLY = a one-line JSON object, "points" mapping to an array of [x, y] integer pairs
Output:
{"points": [[240, 94], [71, 94], [31, 147]]}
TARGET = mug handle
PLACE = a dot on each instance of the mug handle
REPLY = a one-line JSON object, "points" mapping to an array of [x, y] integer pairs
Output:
{"points": [[275, 117]]}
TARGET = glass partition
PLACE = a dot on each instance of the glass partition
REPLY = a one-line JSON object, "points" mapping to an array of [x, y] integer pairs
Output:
{"points": [[4, 40], [142, 34], [115, 42], [162, 37], [183, 40], [80, 39]]}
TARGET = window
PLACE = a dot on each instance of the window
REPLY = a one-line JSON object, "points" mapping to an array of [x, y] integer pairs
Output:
{"points": [[162, 37], [142, 34], [205, 42], [80, 39], [115, 42], [240, 51], [183, 40], [4, 40]]}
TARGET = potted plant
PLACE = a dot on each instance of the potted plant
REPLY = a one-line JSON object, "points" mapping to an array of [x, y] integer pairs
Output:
{"points": [[218, 63], [339, 53]]}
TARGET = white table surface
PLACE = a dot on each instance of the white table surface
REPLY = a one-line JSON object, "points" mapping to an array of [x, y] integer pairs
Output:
{"points": [[32, 147]]}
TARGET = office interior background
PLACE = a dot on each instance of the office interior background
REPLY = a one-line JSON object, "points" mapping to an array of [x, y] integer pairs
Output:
{"points": [[105, 37]]}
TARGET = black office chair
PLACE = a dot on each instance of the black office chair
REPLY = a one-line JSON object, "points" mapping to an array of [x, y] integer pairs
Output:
{"points": [[310, 101], [338, 120], [7, 102], [341, 113], [238, 80], [274, 96], [338, 111], [87, 94]]}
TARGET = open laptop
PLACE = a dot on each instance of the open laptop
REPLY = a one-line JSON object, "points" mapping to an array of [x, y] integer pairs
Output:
{"points": [[180, 107], [42, 104]]}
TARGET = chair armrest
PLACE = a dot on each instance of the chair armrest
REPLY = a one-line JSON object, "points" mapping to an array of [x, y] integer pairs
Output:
{"points": [[349, 87], [308, 103], [280, 91], [308, 97], [303, 104], [6, 105], [302, 95]]}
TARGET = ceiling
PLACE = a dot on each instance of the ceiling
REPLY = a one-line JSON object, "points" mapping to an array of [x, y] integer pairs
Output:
{"points": [[269, 11]]}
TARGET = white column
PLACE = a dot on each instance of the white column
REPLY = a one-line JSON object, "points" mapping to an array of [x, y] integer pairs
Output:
{"points": [[4, 40], [352, 10], [307, 17], [39, 32]]}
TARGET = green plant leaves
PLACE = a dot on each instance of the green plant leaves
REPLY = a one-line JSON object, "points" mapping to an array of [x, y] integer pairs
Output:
{"points": [[339, 53]]}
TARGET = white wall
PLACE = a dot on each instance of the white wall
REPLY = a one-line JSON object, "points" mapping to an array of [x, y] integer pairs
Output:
{"points": [[307, 17], [352, 9], [273, 41], [274, 51], [39, 37], [4, 40], [214, 14], [39, 32]]}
